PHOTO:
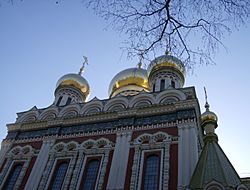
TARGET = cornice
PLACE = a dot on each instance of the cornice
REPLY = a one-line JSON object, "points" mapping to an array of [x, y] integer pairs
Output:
{"points": [[124, 129], [105, 116]]}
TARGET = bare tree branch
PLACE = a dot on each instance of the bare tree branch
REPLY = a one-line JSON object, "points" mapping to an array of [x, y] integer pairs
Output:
{"points": [[191, 29]]}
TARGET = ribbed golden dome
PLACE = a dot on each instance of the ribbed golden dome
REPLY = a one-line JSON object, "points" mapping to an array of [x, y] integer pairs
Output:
{"points": [[167, 61], [76, 81], [136, 77], [208, 116]]}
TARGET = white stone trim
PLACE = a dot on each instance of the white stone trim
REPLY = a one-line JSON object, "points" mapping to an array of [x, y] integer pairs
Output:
{"points": [[212, 185], [119, 163], [49, 177], [40, 164], [83, 168], [152, 146], [187, 153], [5, 147], [142, 163], [17, 154]]}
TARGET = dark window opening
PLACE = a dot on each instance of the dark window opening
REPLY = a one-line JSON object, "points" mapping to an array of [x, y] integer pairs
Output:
{"points": [[68, 101], [13, 176], [153, 87], [59, 175], [151, 174], [59, 101], [162, 87], [172, 83], [90, 174]]}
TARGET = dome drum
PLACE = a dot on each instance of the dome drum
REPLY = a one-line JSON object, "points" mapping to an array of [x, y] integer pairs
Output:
{"points": [[166, 72]]}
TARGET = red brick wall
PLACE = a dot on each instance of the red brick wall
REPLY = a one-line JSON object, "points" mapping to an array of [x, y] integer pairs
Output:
{"points": [[173, 173]]}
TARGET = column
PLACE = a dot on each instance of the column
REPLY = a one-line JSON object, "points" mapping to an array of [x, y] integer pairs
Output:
{"points": [[39, 165], [119, 162]]}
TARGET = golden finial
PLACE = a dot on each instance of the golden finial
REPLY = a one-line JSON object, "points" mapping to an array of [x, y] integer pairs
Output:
{"points": [[206, 105], [85, 61]]}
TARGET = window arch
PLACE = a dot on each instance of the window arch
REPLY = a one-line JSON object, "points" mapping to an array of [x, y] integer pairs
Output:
{"points": [[13, 176], [151, 172], [59, 175], [162, 86], [90, 174]]}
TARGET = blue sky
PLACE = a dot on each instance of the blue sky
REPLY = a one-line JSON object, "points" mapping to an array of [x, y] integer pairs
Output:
{"points": [[40, 41]]}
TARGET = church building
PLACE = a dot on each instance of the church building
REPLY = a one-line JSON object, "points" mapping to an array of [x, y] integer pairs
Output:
{"points": [[149, 134]]}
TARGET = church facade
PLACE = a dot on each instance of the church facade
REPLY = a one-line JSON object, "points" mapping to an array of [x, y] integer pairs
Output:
{"points": [[148, 135]]}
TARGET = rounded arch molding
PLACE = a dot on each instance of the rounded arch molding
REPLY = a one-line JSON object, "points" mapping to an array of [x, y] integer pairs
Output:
{"points": [[70, 111], [49, 114], [142, 100], [92, 107], [29, 116], [116, 104], [170, 96]]}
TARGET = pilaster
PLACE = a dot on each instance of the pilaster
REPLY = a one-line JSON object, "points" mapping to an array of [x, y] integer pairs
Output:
{"points": [[119, 162], [187, 153], [39, 165]]}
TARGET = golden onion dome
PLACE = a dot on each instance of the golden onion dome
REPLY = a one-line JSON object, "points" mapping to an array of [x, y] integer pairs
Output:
{"points": [[167, 61], [208, 116], [76, 81], [131, 78]]}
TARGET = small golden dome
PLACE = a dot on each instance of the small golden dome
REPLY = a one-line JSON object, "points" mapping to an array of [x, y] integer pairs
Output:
{"points": [[167, 61], [208, 116], [76, 81], [131, 78]]}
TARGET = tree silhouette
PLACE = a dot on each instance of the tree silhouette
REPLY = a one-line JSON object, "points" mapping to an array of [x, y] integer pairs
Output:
{"points": [[190, 29]]}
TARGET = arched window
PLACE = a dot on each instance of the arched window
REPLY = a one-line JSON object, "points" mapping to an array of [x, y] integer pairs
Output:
{"points": [[68, 101], [162, 86], [151, 173], [12, 178], [90, 174], [172, 83], [59, 175], [59, 101]]}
